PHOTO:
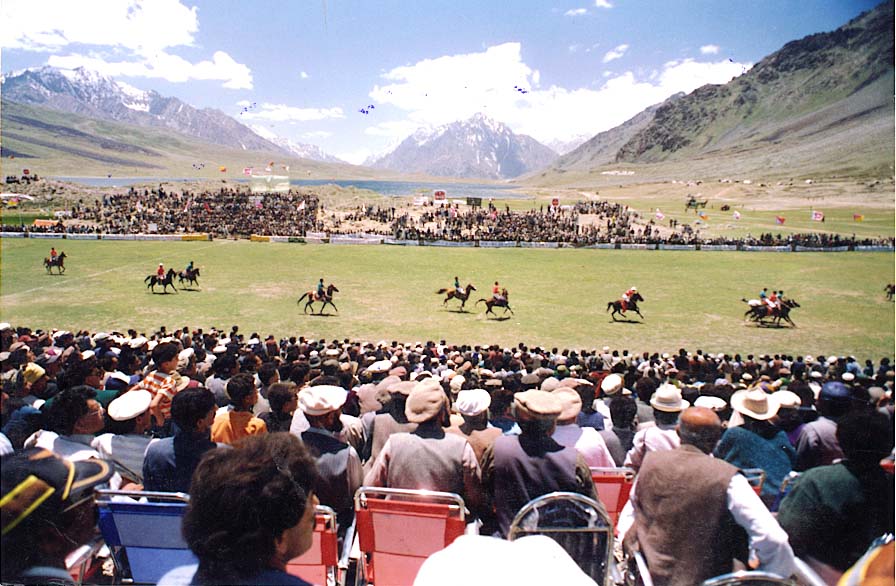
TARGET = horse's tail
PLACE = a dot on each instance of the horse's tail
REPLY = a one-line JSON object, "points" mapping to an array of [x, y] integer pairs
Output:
{"points": [[299, 300], [479, 301], [146, 280], [441, 291], [609, 305]]}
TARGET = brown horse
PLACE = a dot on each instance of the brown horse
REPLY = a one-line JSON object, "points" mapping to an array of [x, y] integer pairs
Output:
{"points": [[166, 281], [454, 294], [632, 306], [493, 302], [190, 276], [313, 297], [58, 262], [759, 313]]}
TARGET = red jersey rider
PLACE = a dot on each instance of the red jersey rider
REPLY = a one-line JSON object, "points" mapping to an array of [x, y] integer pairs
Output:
{"points": [[497, 293], [160, 271], [626, 297]]}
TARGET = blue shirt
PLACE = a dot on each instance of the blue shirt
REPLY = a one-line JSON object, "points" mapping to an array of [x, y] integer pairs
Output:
{"points": [[169, 463]]}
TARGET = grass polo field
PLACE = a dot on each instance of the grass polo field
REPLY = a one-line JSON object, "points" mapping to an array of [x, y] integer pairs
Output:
{"points": [[692, 299]]}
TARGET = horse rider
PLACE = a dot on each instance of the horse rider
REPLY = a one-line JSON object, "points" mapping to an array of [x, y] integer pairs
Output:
{"points": [[321, 291], [160, 272], [772, 302], [189, 268], [457, 285], [53, 254], [626, 297], [763, 295], [499, 294]]}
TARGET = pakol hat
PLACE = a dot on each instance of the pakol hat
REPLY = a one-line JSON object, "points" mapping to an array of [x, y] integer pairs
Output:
{"points": [[37, 483], [425, 401], [531, 405], [321, 399], [714, 403], [668, 398], [32, 373], [611, 384], [129, 405], [755, 403], [570, 402], [472, 402]]}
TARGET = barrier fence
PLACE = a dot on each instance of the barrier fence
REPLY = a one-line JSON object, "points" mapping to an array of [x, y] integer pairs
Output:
{"points": [[367, 239]]}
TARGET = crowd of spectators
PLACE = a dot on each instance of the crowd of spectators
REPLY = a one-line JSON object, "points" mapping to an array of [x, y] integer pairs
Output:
{"points": [[236, 213], [149, 408]]}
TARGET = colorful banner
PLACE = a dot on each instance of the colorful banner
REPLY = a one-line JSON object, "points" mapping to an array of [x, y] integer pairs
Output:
{"points": [[817, 216], [780, 220], [858, 217]]}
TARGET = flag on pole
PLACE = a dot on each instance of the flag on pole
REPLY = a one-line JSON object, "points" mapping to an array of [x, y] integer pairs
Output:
{"points": [[858, 217], [187, 206], [258, 205], [817, 216], [780, 219], [736, 215], [247, 170], [659, 215], [222, 169]]}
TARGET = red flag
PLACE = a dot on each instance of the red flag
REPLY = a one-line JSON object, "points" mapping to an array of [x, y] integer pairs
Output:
{"points": [[247, 170], [780, 219], [817, 216], [858, 217]]}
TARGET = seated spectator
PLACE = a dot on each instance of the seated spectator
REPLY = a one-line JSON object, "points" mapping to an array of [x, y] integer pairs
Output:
{"points": [[473, 408], [70, 423], [667, 405], [48, 510], [238, 422], [834, 512], [169, 463], [428, 458], [620, 438], [586, 440], [267, 375], [817, 444], [161, 383], [126, 439], [283, 401], [251, 511], [693, 512], [338, 464], [519, 468], [758, 443]]}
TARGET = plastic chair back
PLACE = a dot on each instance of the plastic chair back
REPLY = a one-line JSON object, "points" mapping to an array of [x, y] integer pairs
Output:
{"points": [[574, 521], [756, 478], [613, 485], [398, 529], [144, 537], [318, 565], [786, 486], [749, 579]]}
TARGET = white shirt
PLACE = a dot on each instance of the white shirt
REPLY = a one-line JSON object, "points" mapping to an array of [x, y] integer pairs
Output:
{"points": [[587, 441], [767, 539], [125, 450], [649, 440]]}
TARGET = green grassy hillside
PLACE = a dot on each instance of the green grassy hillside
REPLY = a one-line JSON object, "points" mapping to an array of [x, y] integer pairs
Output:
{"points": [[559, 296]]}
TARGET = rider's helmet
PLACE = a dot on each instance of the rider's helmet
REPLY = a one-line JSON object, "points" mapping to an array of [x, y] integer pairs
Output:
{"points": [[160, 264], [634, 288]]}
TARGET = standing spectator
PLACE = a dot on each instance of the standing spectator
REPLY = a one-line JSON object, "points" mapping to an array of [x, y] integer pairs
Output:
{"points": [[586, 440], [238, 422], [169, 463], [473, 406], [48, 510], [161, 383], [834, 512], [126, 440], [667, 405], [818, 445], [283, 400], [70, 423], [621, 437]]}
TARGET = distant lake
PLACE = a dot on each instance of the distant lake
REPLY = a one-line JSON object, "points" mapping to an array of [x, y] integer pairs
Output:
{"points": [[388, 188]]}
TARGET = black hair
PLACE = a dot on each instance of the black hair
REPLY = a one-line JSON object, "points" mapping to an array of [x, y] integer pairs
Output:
{"points": [[239, 387], [164, 352], [623, 410], [279, 394], [66, 408], [865, 436], [190, 406]]}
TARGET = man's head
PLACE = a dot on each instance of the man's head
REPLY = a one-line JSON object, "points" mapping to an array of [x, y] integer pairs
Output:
{"points": [[536, 412], [473, 405], [193, 409], [700, 427], [427, 402], [283, 397], [866, 437], [623, 410], [322, 405], [242, 391], [75, 411], [129, 413], [164, 356]]}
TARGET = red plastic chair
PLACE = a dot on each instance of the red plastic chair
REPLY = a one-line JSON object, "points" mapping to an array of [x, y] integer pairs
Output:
{"points": [[756, 478], [319, 565], [613, 488], [398, 529]]}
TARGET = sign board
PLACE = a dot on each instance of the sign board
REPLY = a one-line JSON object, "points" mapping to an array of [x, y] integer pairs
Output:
{"points": [[476, 202], [439, 195]]}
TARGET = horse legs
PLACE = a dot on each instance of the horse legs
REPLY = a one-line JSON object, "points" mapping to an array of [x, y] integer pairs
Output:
{"points": [[507, 308], [638, 312]]}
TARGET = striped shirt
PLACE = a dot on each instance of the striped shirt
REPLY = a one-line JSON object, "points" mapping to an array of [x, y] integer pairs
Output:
{"points": [[158, 382]]}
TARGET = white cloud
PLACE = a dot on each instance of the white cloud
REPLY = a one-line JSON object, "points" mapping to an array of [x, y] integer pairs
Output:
{"points": [[615, 53], [304, 75], [574, 48], [284, 113], [162, 65], [126, 37], [317, 134], [449, 88], [709, 50], [603, 4], [576, 12], [355, 157], [244, 103]]}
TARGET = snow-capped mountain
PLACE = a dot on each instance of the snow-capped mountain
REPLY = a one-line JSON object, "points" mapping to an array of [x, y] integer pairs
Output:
{"points": [[91, 94], [479, 147], [298, 149]]}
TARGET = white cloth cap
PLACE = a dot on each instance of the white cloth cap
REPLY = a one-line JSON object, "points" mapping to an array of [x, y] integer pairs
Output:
{"points": [[321, 399], [472, 402], [129, 405]]}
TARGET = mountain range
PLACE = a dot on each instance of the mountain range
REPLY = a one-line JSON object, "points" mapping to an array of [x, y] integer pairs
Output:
{"points": [[87, 93], [821, 102], [479, 147]]}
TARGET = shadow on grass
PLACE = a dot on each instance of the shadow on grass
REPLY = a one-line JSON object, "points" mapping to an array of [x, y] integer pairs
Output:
{"points": [[322, 314], [627, 321], [449, 310], [499, 318]]}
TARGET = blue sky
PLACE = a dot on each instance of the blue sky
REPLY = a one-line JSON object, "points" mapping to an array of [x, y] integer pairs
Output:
{"points": [[302, 69]]}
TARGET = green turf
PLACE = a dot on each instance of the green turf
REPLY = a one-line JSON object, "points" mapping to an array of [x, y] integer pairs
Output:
{"points": [[559, 296]]}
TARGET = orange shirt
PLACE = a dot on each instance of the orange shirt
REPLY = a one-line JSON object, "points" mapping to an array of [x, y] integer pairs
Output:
{"points": [[233, 425]]}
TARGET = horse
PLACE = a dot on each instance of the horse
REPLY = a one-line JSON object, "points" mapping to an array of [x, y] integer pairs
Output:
{"points": [[696, 204], [759, 312], [58, 262], [632, 305], [890, 289], [453, 294], [168, 279], [312, 296], [190, 276], [493, 302]]}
